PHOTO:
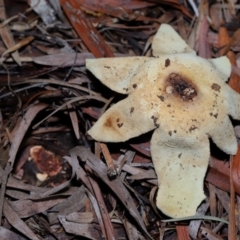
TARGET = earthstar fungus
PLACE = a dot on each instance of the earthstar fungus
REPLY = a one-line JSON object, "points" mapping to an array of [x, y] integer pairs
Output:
{"points": [[185, 99]]}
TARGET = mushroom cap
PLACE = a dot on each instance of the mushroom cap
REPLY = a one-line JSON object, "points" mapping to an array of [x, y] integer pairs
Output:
{"points": [[186, 100]]}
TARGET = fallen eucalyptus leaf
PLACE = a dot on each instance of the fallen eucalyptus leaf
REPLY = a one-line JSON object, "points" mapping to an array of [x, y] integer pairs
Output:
{"points": [[190, 218]]}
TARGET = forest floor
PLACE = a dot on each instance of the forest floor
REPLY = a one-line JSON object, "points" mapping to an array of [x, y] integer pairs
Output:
{"points": [[57, 182]]}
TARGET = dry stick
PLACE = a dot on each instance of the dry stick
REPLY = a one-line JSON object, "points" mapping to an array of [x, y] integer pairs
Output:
{"points": [[19, 105], [71, 69], [232, 225], [11, 50], [200, 217], [106, 224], [182, 232], [106, 104], [61, 83], [7, 21], [17, 46], [77, 99], [5, 33], [112, 168]]}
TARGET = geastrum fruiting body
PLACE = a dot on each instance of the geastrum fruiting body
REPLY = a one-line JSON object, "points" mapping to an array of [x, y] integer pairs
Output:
{"points": [[182, 97]]}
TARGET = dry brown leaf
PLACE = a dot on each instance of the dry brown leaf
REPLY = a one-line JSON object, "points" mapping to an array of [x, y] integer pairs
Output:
{"points": [[6, 234], [215, 16], [209, 234], [195, 224], [131, 231], [232, 217], [44, 10], [101, 211], [80, 217], [7, 35], [203, 44], [182, 232], [226, 43], [120, 9], [221, 166], [115, 185], [33, 207], [63, 59], [21, 130], [224, 199], [16, 194], [145, 174], [236, 171], [72, 204], [218, 179], [91, 231], [15, 220], [84, 28], [74, 120], [212, 200], [17, 46]]}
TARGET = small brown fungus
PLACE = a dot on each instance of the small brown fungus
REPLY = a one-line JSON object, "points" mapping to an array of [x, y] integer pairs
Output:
{"points": [[191, 85], [46, 161]]}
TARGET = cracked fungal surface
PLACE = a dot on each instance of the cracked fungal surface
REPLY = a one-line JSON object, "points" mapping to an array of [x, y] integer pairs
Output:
{"points": [[181, 87], [185, 100]]}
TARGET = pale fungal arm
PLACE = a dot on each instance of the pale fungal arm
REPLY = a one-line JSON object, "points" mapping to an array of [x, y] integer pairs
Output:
{"points": [[180, 165], [223, 66], [168, 41], [224, 136], [233, 103], [116, 73], [119, 124]]}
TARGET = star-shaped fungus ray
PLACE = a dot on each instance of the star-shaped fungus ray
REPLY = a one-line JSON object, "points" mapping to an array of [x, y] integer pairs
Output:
{"points": [[180, 164], [170, 42], [185, 100]]}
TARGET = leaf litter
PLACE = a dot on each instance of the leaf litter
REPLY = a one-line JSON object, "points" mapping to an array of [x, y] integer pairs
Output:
{"points": [[49, 101]]}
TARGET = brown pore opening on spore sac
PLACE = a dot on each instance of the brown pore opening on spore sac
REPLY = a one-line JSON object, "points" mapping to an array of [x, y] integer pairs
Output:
{"points": [[181, 87]]}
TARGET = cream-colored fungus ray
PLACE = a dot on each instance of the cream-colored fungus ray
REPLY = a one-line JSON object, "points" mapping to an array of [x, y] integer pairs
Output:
{"points": [[223, 66], [167, 41], [116, 73], [119, 123], [180, 166], [224, 137]]}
